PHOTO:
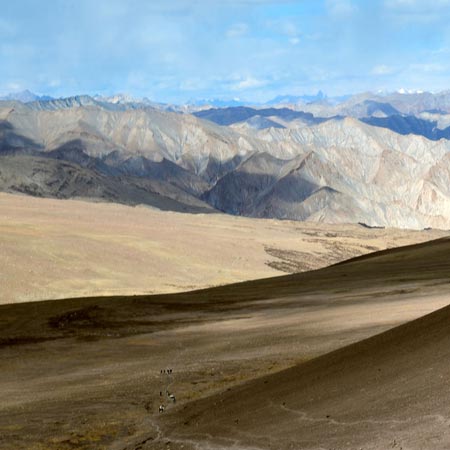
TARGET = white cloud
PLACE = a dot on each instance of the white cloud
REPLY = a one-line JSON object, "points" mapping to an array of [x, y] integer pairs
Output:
{"points": [[248, 83], [416, 5], [237, 30], [54, 83], [340, 8], [417, 11], [192, 84], [382, 69], [289, 29], [429, 67], [14, 86], [283, 27]]}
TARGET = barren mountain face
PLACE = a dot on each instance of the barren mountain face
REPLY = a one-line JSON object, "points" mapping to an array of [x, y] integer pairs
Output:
{"points": [[277, 164]]}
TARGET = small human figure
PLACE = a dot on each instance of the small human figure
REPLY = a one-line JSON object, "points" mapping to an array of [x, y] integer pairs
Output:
{"points": [[160, 393]]}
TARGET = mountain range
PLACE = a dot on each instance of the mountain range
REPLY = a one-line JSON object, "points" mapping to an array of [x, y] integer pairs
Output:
{"points": [[378, 160]]}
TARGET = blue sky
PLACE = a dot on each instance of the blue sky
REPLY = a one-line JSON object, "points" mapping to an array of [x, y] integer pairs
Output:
{"points": [[176, 50]]}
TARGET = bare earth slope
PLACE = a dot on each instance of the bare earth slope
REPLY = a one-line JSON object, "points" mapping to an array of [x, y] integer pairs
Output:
{"points": [[86, 373], [67, 248]]}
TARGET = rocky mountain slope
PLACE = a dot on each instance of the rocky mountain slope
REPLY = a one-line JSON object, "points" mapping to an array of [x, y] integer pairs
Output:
{"points": [[433, 125], [342, 171], [368, 104], [335, 170]]}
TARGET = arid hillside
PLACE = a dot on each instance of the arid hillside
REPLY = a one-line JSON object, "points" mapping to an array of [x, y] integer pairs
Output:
{"points": [[91, 373], [388, 391]]}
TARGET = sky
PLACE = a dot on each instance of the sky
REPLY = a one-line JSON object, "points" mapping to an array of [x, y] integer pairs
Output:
{"points": [[253, 50]]}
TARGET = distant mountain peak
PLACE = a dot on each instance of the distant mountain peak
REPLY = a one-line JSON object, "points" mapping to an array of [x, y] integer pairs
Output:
{"points": [[409, 91], [117, 98], [24, 96], [217, 103], [286, 99]]}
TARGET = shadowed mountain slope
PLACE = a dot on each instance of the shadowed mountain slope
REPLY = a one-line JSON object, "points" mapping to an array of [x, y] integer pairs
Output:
{"points": [[229, 116], [410, 125], [390, 391], [42, 176]]}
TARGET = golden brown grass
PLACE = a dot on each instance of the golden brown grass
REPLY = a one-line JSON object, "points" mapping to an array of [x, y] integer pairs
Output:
{"points": [[53, 249]]}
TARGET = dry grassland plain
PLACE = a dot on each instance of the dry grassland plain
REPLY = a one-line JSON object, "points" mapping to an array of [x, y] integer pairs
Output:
{"points": [[52, 249]]}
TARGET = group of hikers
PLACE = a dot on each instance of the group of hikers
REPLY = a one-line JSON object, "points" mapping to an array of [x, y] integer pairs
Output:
{"points": [[170, 396]]}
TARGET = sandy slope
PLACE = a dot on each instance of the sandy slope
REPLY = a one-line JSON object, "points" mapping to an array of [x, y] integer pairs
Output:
{"points": [[66, 248], [85, 373]]}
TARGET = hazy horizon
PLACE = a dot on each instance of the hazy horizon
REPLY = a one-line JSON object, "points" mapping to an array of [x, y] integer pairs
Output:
{"points": [[227, 101]]}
